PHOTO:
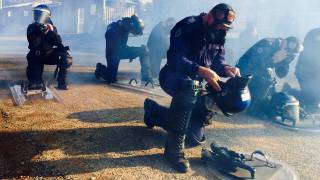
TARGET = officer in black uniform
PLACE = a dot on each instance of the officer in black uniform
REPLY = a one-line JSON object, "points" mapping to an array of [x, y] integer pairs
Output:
{"points": [[307, 73], [46, 47], [196, 52], [259, 61], [158, 44], [116, 36]]}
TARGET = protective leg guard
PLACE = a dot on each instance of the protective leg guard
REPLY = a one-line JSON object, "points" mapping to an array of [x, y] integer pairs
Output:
{"points": [[155, 114], [180, 112]]}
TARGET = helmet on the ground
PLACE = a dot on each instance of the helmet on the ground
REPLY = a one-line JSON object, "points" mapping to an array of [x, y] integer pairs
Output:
{"points": [[41, 14], [223, 15], [234, 96], [285, 106], [136, 25]]}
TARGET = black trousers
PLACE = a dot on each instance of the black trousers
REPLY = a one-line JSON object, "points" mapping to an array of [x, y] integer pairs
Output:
{"points": [[36, 63], [113, 60], [156, 57]]}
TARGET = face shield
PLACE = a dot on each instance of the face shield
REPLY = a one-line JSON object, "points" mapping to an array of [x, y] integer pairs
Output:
{"points": [[41, 16]]}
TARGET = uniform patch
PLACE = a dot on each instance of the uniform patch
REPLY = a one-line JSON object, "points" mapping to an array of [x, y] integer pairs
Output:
{"points": [[191, 20], [260, 50], [178, 33]]}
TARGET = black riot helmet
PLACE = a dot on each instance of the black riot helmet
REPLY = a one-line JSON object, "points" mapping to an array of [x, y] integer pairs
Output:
{"points": [[234, 96], [136, 25], [41, 14], [224, 15]]}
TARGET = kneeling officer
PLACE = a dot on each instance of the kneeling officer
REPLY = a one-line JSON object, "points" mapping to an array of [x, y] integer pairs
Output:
{"points": [[117, 35], [196, 53], [46, 47]]}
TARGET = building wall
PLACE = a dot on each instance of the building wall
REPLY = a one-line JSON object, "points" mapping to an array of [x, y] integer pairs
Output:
{"points": [[74, 16]]}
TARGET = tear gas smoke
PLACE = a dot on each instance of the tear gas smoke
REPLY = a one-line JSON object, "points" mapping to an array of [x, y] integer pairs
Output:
{"points": [[270, 18]]}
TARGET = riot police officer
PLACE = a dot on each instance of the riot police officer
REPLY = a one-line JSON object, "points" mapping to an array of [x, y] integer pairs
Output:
{"points": [[307, 72], [259, 61], [196, 52], [116, 36], [46, 47], [158, 44]]}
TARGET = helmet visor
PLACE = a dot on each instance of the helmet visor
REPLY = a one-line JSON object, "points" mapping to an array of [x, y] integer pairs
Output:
{"points": [[41, 16]]}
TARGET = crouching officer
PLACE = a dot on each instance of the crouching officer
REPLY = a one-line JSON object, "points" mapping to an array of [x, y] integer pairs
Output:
{"points": [[260, 61], [158, 44], [307, 73], [196, 52], [116, 49], [46, 47]]}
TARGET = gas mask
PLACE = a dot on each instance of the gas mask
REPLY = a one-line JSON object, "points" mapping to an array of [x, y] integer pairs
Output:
{"points": [[223, 16]]}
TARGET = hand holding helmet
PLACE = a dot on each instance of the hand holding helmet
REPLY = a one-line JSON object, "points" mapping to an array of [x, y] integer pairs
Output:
{"points": [[232, 71], [211, 77]]}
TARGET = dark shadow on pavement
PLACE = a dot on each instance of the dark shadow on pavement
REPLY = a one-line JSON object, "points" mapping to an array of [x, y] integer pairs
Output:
{"points": [[18, 149], [79, 78], [109, 115]]}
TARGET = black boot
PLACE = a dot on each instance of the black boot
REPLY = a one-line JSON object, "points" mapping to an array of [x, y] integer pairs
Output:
{"points": [[101, 72], [180, 114], [155, 114], [62, 79], [98, 72], [36, 85]]}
